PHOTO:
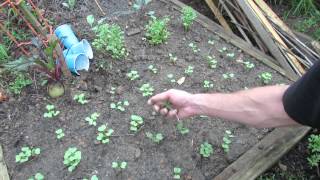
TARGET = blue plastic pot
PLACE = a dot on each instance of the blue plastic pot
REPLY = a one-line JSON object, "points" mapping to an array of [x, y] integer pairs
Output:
{"points": [[76, 62], [66, 35], [83, 47]]}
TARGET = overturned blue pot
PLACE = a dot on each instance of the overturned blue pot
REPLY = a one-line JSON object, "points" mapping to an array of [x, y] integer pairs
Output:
{"points": [[76, 62], [66, 35], [83, 47]]}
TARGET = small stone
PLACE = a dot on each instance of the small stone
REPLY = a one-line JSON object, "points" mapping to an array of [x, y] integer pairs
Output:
{"points": [[120, 90], [97, 88], [137, 153], [133, 31], [282, 166]]}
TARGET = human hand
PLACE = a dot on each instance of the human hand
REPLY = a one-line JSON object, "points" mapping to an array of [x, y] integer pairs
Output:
{"points": [[181, 103]]}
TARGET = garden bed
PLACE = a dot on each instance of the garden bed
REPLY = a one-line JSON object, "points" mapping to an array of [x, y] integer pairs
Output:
{"points": [[23, 124]]}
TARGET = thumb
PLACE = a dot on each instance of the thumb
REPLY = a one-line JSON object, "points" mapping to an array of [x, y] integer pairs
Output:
{"points": [[159, 98]]}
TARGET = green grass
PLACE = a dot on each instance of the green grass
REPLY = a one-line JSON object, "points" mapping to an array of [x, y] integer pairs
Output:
{"points": [[309, 25]]}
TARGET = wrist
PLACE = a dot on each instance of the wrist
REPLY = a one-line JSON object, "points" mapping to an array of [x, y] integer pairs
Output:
{"points": [[198, 104]]}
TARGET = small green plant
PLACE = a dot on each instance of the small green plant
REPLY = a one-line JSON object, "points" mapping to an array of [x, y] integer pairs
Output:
{"points": [[120, 105], [265, 77], [19, 83], [173, 59], [226, 141], [171, 78], [207, 84], [72, 158], [94, 177], [80, 98], [188, 16], [3, 54], [119, 165], [139, 4], [135, 123], [104, 134], [147, 90], [90, 20], [211, 41], [51, 111], [26, 153], [222, 50], [156, 137], [177, 172], [157, 31], [228, 75], [212, 62], [153, 69], [37, 176], [133, 75], [92, 119], [189, 70], [194, 47], [314, 148], [206, 149], [183, 130], [230, 55], [59, 133], [70, 4], [246, 64], [112, 90]]}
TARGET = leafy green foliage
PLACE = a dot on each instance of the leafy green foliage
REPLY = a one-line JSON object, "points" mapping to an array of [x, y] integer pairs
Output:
{"points": [[212, 62], [177, 172], [230, 55], [59, 133], [119, 165], [37, 176], [194, 47], [314, 148], [173, 58], [51, 111], [120, 105], [72, 158], [226, 141], [222, 50], [146, 89], [70, 4], [206, 149], [183, 130], [188, 16], [189, 70], [228, 75], [139, 4], [80, 98], [153, 69], [90, 19], [4, 57], [157, 31], [304, 7], [207, 84], [19, 83], [92, 119], [156, 137], [266, 77], [135, 123], [171, 78], [94, 177], [104, 134], [26, 153], [211, 42], [133, 75], [110, 38]]}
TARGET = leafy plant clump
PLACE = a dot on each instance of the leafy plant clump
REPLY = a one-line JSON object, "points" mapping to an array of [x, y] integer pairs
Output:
{"points": [[72, 158], [171, 78], [4, 57], [188, 16], [207, 84], [153, 69], [189, 70], [227, 141], [37, 176], [206, 149], [222, 50], [119, 165], [146, 89], [70, 4], [59, 133], [26, 153], [265, 77], [177, 172], [156, 137], [120, 105], [228, 75], [314, 148], [109, 38], [212, 62], [19, 83], [94, 177], [104, 134], [133, 75], [183, 130], [247, 64], [157, 31], [135, 123], [51, 111], [92, 119], [80, 98], [194, 47]]}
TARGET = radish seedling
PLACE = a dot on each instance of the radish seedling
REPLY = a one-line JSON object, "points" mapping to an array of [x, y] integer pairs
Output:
{"points": [[173, 59], [206, 149], [156, 138], [80, 98], [113, 90], [135, 123], [266, 77], [194, 47], [157, 31], [51, 111], [211, 42], [94, 177], [188, 16], [59, 133], [207, 84], [183, 130], [92, 119], [227, 75], [153, 69], [72, 158], [227, 141], [246, 64], [120, 105], [177, 173], [26, 153], [314, 149], [223, 49], [90, 19], [189, 70], [171, 78], [37, 176], [104, 134], [146, 89], [119, 165], [230, 55], [133, 75], [212, 62]]}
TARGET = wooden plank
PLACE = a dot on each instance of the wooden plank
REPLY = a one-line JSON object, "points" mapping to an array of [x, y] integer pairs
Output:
{"points": [[3, 168], [264, 154]]}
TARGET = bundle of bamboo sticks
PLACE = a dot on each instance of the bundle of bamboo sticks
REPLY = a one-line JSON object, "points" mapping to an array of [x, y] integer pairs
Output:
{"points": [[258, 25]]}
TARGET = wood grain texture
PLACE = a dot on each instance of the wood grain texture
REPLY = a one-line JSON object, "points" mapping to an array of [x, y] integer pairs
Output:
{"points": [[3, 168]]}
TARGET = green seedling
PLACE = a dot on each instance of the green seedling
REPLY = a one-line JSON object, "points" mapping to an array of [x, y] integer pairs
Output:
{"points": [[189, 70], [109, 38], [211, 42], [183, 130], [37, 176], [59, 133], [188, 16], [153, 69], [119, 165], [212, 62], [230, 55], [135, 123], [92, 119], [72, 158], [133, 75], [207, 84], [156, 137], [26, 153], [90, 19], [146, 89], [112, 90], [19, 83], [265, 77], [177, 173], [70, 4], [246, 64], [80, 98], [224, 49], [168, 105], [227, 141], [3, 54], [51, 111], [138, 4], [94, 177], [120, 105], [171, 78], [157, 31], [314, 149], [228, 75], [206, 149], [104, 134], [173, 59], [194, 47]]}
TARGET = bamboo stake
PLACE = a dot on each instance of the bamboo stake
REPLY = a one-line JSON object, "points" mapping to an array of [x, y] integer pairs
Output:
{"points": [[218, 15], [98, 4]]}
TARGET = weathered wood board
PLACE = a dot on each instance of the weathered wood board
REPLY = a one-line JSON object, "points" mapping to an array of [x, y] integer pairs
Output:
{"points": [[3, 168]]}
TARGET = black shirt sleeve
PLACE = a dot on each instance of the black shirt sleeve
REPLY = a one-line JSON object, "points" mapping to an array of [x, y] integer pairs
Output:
{"points": [[302, 99]]}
